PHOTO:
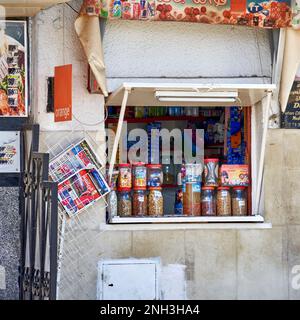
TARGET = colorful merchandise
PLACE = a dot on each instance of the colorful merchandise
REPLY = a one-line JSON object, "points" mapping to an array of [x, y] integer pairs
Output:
{"points": [[139, 174], [211, 172], [234, 175], [125, 177]]}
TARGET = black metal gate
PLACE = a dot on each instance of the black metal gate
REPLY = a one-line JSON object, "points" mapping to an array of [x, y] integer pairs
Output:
{"points": [[38, 208]]}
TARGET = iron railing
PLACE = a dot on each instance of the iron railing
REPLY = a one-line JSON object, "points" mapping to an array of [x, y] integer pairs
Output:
{"points": [[38, 208]]}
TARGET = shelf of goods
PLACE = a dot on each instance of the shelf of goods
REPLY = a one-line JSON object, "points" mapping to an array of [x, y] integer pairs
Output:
{"points": [[240, 104], [182, 219]]}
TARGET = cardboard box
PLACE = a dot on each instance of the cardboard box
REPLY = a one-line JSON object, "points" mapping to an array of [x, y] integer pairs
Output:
{"points": [[234, 175]]}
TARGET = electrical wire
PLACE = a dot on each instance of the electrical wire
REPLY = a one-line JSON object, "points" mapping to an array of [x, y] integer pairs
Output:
{"points": [[71, 7], [93, 124]]}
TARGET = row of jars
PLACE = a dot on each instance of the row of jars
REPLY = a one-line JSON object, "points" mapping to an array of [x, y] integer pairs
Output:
{"points": [[225, 202], [140, 175], [139, 204]]}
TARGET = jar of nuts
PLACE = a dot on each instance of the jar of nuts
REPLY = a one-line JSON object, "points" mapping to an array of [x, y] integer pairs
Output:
{"points": [[223, 201], [239, 201], [124, 203], [139, 202], [155, 202], [208, 202]]}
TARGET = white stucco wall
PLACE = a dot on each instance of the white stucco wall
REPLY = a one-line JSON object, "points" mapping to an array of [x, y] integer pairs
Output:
{"points": [[170, 51], [220, 264]]}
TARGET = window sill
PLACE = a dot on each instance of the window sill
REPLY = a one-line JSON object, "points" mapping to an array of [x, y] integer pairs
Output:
{"points": [[184, 223]]}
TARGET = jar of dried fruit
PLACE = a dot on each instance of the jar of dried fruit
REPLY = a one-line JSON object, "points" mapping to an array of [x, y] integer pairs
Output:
{"points": [[139, 202], [155, 202], [239, 201], [223, 201], [124, 203], [208, 202]]}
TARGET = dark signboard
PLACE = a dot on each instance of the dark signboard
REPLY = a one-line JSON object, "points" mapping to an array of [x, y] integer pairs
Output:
{"points": [[291, 116]]}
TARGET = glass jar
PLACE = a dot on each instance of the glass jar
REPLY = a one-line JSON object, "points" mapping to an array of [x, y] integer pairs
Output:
{"points": [[192, 199], [155, 175], [112, 203], [139, 174], [211, 172], [208, 202], [223, 201], [124, 203], [155, 202], [125, 179], [239, 201], [139, 202]]}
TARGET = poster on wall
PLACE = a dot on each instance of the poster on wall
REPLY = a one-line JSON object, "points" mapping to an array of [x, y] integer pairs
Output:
{"points": [[255, 13], [13, 69], [9, 151], [291, 116]]}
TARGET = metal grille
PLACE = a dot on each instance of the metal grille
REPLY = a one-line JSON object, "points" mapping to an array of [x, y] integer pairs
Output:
{"points": [[77, 235], [38, 207]]}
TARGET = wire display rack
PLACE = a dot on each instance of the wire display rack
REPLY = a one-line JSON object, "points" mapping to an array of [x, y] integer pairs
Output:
{"points": [[77, 231]]}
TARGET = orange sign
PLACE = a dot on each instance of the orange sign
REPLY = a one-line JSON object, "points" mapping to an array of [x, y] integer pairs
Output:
{"points": [[63, 93]]}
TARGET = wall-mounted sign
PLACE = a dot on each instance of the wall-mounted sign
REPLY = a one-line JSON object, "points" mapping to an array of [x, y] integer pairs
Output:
{"points": [[9, 151], [13, 69], [63, 93], [259, 13], [291, 116]]}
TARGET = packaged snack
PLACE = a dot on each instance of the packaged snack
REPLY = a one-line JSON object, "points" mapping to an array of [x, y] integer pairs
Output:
{"points": [[234, 175]]}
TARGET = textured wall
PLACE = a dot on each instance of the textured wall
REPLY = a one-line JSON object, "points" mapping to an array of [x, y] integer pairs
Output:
{"points": [[9, 243], [220, 264]]}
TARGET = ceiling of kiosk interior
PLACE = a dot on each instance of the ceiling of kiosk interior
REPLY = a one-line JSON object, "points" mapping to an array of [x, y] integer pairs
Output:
{"points": [[146, 94]]}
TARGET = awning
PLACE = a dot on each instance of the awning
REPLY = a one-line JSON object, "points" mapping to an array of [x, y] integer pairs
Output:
{"points": [[291, 64], [25, 8]]}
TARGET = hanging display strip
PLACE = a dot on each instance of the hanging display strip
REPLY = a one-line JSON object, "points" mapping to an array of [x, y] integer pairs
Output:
{"points": [[265, 14], [77, 170]]}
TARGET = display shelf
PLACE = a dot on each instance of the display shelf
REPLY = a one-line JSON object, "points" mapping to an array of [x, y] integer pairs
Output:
{"points": [[168, 185], [154, 119], [174, 219], [214, 145]]}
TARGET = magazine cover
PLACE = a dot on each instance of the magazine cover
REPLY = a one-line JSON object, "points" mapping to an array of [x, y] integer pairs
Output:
{"points": [[72, 160], [13, 69]]}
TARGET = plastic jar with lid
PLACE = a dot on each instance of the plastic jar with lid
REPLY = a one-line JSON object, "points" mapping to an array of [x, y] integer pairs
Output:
{"points": [[155, 175], [139, 174], [223, 201], [239, 201], [125, 178], [208, 202], [124, 203], [155, 202], [192, 199], [139, 202], [211, 172]]}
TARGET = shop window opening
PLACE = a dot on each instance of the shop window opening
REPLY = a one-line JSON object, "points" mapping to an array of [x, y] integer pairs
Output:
{"points": [[217, 189]]}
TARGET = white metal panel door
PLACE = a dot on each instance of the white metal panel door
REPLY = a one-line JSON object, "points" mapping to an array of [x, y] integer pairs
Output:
{"points": [[129, 281]]}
